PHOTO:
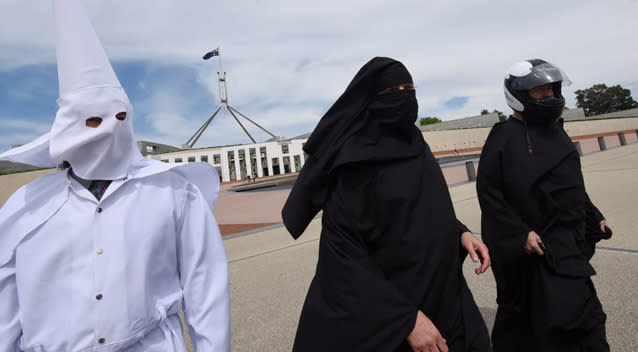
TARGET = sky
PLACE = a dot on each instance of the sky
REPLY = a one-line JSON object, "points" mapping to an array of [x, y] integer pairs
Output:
{"points": [[287, 61]]}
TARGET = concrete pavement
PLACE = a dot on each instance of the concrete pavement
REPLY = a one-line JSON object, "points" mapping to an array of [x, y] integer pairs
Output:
{"points": [[270, 272]]}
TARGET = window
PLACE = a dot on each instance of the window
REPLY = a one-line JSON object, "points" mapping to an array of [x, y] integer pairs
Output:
{"points": [[216, 159], [264, 161], [275, 166], [284, 148], [203, 158], [178, 160], [164, 160], [191, 159]]}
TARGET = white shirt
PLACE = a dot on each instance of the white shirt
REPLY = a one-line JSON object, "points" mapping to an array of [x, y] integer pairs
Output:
{"points": [[111, 275]]}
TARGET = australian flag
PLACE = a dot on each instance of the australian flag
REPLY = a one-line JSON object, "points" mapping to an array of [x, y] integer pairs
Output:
{"points": [[211, 54]]}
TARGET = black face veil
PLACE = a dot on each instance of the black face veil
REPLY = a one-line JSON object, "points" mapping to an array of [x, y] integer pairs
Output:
{"points": [[361, 126]]}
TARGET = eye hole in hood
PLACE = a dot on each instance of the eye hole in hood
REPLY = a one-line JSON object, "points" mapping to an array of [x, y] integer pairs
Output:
{"points": [[93, 121]]}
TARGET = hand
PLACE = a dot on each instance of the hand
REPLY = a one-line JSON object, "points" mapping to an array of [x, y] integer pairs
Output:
{"points": [[473, 245], [425, 337], [603, 223], [533, 244]]}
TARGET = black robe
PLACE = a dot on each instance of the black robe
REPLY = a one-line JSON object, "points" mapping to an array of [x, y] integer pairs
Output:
{"points": [[390, 242], [530, 178], [390, 245]]}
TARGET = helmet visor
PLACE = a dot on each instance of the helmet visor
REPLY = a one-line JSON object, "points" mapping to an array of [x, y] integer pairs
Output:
{"points": [[539, 75]]}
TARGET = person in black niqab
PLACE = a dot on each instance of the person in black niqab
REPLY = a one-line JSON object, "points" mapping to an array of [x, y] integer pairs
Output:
{"points": [[539, 223], [389, 275]]}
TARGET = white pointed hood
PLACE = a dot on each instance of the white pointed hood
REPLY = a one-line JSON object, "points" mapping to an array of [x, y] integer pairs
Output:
{"points": [[88, 88]]}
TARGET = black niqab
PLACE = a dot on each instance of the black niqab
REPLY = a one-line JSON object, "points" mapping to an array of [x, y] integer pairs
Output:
{"points": [[390, 241], [360, 126]]}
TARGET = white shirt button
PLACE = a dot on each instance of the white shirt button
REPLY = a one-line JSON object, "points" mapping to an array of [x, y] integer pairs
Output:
{"points": [[99, 251], [101, 340]]}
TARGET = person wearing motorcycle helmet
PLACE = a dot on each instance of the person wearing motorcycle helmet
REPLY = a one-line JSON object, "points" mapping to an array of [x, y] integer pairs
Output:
{"points": [[533, 90], [538, 222]]}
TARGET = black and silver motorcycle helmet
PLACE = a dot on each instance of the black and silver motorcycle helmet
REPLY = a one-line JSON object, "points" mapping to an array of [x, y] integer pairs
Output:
{"points": [[525, 75]]}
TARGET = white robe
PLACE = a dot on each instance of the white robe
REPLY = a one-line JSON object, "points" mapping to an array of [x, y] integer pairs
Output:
{"points": [[78, 274]]}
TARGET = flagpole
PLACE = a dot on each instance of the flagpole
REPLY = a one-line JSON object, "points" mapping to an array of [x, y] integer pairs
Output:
{"points": [[223, 103], [221, 70]]}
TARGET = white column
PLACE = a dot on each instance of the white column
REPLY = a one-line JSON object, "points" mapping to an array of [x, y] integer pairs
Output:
{"points": [[260, 168], [249, 169], [223, 158], [269, 161], [237, 169]]}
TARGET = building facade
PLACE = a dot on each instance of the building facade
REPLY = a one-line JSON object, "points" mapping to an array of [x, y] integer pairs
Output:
{"points": [[239, 162]]}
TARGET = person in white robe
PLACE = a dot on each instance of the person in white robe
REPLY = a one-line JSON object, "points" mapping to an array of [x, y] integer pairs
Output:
{"points": [[95, 268]]}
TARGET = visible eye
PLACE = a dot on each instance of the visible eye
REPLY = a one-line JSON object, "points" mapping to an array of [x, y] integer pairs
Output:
{"points": [[93, 122], [121, 116], [408, 86]]}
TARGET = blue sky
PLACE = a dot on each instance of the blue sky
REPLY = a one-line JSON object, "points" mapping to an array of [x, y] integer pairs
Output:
{"points": [[287, 61], [456, 103]]}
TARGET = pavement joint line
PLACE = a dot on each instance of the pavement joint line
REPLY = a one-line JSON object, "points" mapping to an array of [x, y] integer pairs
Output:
{"points": [[250, 232], [621, 250], [459, 184], [273, 251], [612, 170], [463, 200], [598, 248]]}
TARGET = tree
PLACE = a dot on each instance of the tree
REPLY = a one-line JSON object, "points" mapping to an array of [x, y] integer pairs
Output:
{"points": [[600, 99], [501, 116], [428, 120]]}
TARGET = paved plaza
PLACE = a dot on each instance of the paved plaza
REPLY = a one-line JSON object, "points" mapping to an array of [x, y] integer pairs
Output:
{"points": [[270, 272]]}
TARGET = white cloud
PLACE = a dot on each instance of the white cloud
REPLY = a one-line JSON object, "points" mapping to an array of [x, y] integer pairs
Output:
{"points": [[31, 126], [16, 132], [287, 60]]}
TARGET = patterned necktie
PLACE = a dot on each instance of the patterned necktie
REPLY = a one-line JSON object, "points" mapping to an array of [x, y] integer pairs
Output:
{"points": [[98, 187]]}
